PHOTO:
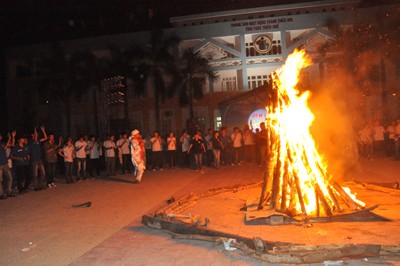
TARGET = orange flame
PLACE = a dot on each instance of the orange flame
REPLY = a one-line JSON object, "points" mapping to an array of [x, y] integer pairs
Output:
{"points": [[301, 169]]}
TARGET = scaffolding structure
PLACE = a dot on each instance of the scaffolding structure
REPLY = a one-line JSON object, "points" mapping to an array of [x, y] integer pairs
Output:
{"points": [[113, 92]]}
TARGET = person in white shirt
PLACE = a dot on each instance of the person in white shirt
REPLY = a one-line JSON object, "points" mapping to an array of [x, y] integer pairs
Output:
{"points": [[94, 157], [378, 137], [156, 154], [171, 149], [147, 146], [185, 143], [68, 153], [397, 141], [109, 150], [365, 141], [391, 140], [124, 153], [248, 141], [208, 144], [237, 144], [80, 155], [138, 155]]}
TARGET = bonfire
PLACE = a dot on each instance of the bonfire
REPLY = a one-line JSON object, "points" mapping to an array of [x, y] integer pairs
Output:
{"points": [[296, 181]]}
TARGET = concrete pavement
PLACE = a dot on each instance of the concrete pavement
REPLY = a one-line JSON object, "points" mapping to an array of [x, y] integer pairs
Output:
{"points": [[41, 228]]}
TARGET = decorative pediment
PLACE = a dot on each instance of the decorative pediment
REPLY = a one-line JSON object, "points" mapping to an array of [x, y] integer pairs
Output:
{"points": [[215, 50], [312, 41], [211, 51], [314, 44]]}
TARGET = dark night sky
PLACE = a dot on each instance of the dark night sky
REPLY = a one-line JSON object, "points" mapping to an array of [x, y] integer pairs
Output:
{"points": [[33, 21], [36, 21]]}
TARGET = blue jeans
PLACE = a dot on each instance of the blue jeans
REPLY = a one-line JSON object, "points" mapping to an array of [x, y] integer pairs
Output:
{"points": [[110, 162], [68, 171], [5, 171], [217, 157], [39, 180], [198, 158], [81, 167]]}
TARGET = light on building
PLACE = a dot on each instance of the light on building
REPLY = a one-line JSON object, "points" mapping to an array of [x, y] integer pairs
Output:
{"points": [[114, 90], [256, 118]]}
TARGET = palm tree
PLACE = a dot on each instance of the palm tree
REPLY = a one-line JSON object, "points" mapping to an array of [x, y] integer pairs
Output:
{"points": [[68, 77], [194, 72], [155, 65]]}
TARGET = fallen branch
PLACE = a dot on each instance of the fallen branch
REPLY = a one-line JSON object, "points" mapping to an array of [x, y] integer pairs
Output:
{"points": [[390, 191]]}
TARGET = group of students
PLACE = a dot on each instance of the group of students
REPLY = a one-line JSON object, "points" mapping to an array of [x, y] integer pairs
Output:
{"points": [[215, 148], [21, 164], [35, 162], [374, 139]]}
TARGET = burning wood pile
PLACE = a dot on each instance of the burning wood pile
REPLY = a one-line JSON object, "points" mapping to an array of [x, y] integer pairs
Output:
{"points": [[296, 181]]}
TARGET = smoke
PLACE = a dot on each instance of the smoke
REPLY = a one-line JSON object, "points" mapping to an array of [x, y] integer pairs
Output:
{"points": [[336, 106]]}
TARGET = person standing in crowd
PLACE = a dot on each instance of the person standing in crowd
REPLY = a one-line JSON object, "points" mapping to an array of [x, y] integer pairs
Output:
{"points": [[208, 144], [156, 154], [50, 152], [263, 144], [138, 155], [94, 157], [13, 185], [68, 153], [4, 169], [109, 148], [80, 153], [365, 141], [397, 142], [171, 149], [217, 146], [198, 148], [21, 156], [86, 139], [248, 141], [118, 156], [125, 153], [391, 139], [257, 155], [39, 180], [101, 154], [378, 138], [226, 153], [237, 139], [147, 145], [185, 143]]}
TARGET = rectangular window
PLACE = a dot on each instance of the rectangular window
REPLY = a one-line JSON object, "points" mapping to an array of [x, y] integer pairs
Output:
{"points": [[257, 81], [229, 84], [218, 123]]}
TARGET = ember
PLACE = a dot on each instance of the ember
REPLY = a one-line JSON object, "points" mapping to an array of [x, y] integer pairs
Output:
{"points": [[296, 180]]}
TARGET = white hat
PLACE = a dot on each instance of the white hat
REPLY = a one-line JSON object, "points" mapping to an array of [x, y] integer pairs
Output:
{"points": [[134, 132]]}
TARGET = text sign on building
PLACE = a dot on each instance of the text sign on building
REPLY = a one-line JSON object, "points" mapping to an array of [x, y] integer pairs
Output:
{"points": [[256, 118], [263, 24]]}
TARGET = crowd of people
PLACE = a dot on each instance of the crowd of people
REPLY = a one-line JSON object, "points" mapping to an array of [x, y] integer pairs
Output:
{"points": [[34, 162], [376, 140]]}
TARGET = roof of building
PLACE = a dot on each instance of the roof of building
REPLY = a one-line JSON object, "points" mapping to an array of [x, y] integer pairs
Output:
{"points": [[263, 12]]}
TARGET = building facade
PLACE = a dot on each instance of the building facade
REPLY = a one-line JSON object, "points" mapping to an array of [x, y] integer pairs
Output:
{"points": [[243, 47]]}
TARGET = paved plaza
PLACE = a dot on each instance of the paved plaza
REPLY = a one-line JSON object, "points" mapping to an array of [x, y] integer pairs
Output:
{"points": [[42, 228]]}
